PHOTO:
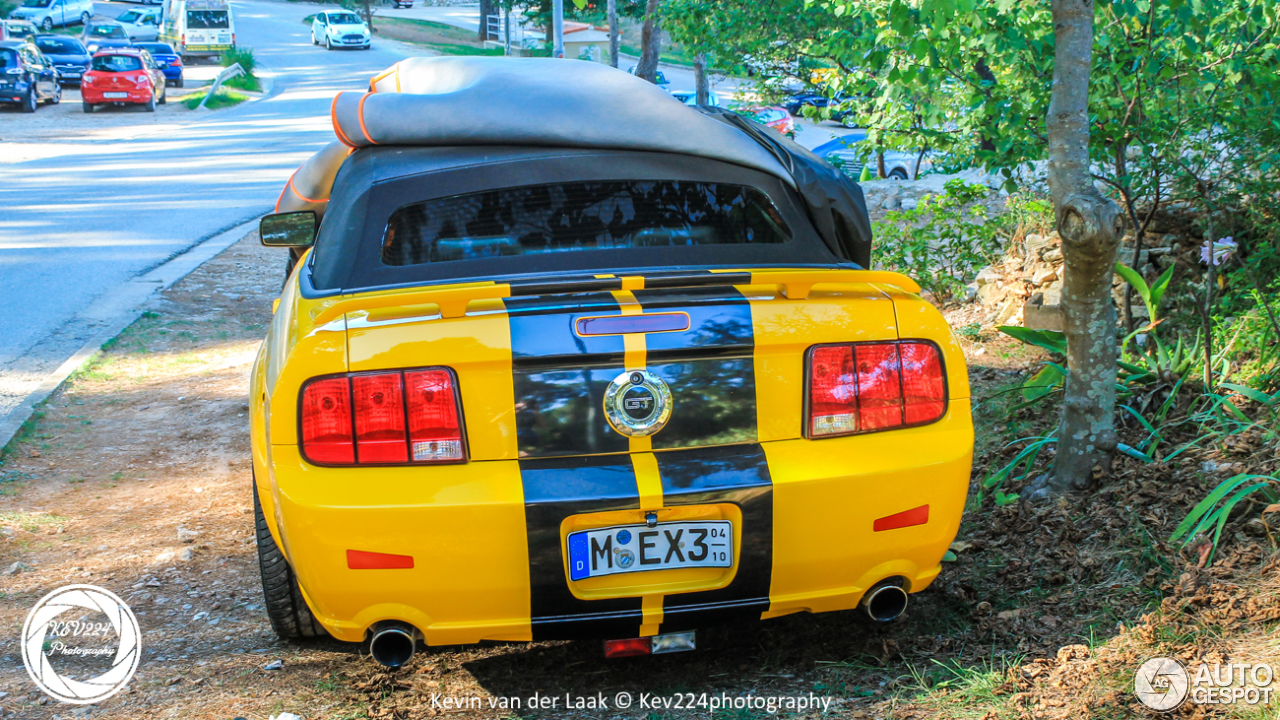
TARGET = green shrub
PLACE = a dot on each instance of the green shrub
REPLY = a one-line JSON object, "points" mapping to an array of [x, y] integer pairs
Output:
{"points": [[943, 242], [248, 63]]}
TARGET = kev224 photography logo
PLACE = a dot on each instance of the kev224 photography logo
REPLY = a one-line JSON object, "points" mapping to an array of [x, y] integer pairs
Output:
{"points": [[81, 644]]}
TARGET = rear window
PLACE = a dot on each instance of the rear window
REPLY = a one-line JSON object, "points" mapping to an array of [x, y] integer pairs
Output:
{"points": [[578, 216], [8, 58], [116, 63], [207, 20], [59, 46], [107, 31], [155, 48]]}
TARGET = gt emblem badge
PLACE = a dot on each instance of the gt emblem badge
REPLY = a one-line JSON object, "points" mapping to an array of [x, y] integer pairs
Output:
{"points": [[637, 403]]}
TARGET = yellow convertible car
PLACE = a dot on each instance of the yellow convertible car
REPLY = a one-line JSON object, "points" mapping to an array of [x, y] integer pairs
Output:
{"points": [[562, 357]]}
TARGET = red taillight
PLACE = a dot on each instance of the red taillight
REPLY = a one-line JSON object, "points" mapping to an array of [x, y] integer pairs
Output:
{"points": [[864, 387], [326, 422], [379, 404], [435, 435], [384, 418]]}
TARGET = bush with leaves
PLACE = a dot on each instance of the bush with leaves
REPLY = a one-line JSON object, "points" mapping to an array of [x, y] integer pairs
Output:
{"points": [[943, 242]]}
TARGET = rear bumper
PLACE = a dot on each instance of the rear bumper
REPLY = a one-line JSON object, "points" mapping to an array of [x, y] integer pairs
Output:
{"points": [[93, 95], [487, 538]]}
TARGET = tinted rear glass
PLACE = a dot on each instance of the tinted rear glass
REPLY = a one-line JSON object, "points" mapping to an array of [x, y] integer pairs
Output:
{"points": [[8, 58], [155, 48], [207, 20], [107, 31], [59, 46], [116, 63], [568, 217]]}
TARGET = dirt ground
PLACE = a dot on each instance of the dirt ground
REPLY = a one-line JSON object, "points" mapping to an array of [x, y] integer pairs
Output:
{"points": [[135, 477]]}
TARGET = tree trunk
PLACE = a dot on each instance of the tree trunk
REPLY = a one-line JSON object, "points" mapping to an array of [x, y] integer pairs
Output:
{"points": [[487, 8], [1090, 226], [650, 43], [701, 85], [613, 33]]}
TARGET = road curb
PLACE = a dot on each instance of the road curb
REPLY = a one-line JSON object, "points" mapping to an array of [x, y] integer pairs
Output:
{"points": [[119, 308]]}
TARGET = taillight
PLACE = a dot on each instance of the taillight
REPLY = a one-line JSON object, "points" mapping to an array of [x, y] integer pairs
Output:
{"points": [[382, 418], [865, 387]]}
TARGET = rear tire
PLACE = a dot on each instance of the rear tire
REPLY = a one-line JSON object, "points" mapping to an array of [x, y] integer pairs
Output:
{"points": [[290, 617], [164, 93], [29, 105], [89, 107], [178, 82], [151, 104]]}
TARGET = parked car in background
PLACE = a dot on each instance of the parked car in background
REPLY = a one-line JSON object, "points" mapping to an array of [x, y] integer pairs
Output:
{"points": [[689, 97], [104, 35], [26, 77], [402, 4], [167, 58], [69, 56], [340, 28], [897, 165], [48, 14], [19, 29], [770, 116], [141, 24], [198, 28], [123, 76]]}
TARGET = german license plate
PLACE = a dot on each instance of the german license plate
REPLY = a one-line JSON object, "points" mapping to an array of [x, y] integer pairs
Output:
{"points": [[114, 95], [639, 548]]}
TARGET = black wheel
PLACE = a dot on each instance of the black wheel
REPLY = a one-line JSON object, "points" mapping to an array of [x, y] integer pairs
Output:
{"points": [[314, 41], [290, 617], [29, 105], [328, 44], [178, 82], [151, 104], [47, 25], [89, 107], [164, 93], [898, 174], [84, 18], [57, 94]]}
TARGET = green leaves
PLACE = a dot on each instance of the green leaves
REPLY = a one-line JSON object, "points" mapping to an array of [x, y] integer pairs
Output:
{"points": [[1051, 340], [1152, 295], [1215, 509]]}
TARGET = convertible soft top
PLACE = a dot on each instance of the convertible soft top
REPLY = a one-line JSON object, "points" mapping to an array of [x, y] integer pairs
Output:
{"points": [[549, 103]]}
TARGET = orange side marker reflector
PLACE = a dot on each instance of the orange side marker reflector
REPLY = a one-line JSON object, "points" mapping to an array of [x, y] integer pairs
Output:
{"points": [[361, 560], [906, 518]]}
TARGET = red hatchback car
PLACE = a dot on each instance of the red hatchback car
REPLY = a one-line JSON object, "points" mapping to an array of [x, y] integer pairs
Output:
{"points": [[123, 76]]}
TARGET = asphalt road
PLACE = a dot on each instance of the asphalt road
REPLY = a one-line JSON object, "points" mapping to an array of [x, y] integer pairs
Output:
{"points": [[75, 226]]}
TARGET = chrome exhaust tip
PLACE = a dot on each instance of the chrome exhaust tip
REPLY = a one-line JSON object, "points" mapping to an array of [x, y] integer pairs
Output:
{"points": [[393, 643], [884, 603]]}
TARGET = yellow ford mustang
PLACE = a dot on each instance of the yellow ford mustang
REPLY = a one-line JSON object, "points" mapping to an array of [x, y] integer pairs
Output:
{"points": [[572, 359]]}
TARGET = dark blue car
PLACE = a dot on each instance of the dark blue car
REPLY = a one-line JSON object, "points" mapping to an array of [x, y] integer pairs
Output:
{"points": [[68, 55], [168, 60]]}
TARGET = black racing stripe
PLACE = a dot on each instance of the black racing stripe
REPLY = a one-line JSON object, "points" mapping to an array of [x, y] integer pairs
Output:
{"points": [[737, 474], [554, 489], [709, 367], [719, 317], [560, 378]]}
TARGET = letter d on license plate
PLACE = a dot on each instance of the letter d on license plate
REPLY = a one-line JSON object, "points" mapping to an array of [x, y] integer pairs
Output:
{"points": [[637, 548]]}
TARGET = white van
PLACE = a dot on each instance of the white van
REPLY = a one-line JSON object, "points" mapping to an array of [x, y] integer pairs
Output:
{"points": [[199, 28], [46, 14]]}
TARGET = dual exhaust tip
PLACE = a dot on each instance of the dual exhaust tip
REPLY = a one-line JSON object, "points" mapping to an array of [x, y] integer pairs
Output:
{"points": [[394, 643]]}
